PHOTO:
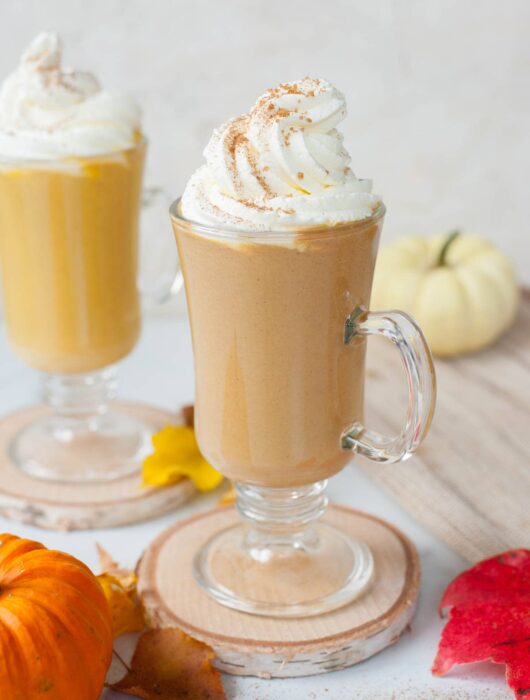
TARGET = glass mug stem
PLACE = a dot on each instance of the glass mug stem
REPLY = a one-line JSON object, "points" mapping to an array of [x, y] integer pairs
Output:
{"points": [[80, 438], [280, 549], [79, 398]]}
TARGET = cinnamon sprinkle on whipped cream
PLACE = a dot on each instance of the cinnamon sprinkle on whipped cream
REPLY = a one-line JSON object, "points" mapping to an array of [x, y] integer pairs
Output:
{"points": [[49, 112], [280, 166]]}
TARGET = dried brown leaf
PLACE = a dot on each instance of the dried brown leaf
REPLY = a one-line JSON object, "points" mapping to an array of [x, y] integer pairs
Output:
{"points": [[188, 415], [169, 665]]}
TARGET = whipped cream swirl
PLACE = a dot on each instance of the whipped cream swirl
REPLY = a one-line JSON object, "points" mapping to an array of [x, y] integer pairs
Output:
{"points": [[282, 165], [49, 112]]}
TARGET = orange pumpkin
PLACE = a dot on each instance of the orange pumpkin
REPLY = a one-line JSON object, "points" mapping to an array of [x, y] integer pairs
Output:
{"points": [[55, 625]]}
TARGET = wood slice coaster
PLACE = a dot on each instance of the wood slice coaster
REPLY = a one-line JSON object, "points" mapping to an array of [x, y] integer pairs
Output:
{"points": [[65, 506], [274, 647]]}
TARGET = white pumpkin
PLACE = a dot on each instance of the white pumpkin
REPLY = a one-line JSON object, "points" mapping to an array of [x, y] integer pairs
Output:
{"points": [[460, 288]]}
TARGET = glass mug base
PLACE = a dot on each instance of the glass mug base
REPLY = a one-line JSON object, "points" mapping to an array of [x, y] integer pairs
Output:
{"points": [[82, 440], [103, 449], [280, 562]]}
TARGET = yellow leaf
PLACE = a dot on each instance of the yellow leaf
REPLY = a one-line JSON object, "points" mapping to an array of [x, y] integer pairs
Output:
{"points": [[125, 606], [119, 587], [126, 577], [228, 497], [176, 454]]}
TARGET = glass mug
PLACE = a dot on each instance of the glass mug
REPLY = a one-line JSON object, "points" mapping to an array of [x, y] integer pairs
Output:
{"points": [[279, 323], [72, 308]]}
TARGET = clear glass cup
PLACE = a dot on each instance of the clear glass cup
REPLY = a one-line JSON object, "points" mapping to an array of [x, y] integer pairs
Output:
{"points": [[69, 266], [279, 325]]}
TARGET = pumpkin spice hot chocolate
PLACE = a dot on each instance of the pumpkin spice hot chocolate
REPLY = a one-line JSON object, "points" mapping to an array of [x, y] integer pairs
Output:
{"points": [[278, 240]]}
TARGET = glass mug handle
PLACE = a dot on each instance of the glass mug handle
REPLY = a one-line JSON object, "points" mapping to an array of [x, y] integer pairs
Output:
{"points": [[160, 277], [405, 333]]}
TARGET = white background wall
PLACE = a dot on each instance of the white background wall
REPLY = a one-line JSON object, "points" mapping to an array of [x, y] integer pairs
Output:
{"points": [[438, 90]]}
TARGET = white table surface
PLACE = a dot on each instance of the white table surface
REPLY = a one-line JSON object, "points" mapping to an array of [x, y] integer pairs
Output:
{"points": [[160, 370]]}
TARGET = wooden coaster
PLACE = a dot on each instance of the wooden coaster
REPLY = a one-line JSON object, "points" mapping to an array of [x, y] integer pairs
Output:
{"points": [[65, 506], [274, 647]]}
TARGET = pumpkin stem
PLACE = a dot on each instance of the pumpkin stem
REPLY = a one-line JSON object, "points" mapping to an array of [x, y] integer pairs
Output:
{"points": [[443, 253]]}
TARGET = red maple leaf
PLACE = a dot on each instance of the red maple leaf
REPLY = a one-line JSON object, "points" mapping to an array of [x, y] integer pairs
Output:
{"points": [[489, 619]]}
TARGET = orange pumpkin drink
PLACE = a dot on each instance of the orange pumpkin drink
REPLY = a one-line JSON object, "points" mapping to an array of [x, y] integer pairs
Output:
{"points": [[68, 220], [68, 251], [71, 164]]}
